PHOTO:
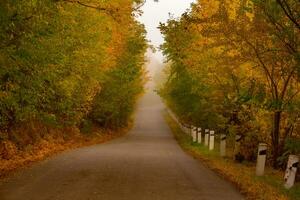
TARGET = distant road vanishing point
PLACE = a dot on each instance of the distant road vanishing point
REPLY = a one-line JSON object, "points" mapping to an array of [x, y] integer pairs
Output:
{"points": [[146, 164]]}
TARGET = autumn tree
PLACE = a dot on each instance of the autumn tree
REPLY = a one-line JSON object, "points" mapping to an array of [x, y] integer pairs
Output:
{"points": [[238, 62], [57, 57]]}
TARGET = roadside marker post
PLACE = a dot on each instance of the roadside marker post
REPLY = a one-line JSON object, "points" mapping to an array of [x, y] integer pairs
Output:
{"points": [[223, 145], [186, 130], [261, 159], [181, 126], [211, 140], [199, 135], [291, 171], [194, 133], [206, 137], [237, 144]]}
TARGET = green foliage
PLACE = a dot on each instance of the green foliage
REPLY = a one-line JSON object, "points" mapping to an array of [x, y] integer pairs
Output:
{"points": [[115, 103], [86, 127], [292, 145], [233, 69], [58, 59]]}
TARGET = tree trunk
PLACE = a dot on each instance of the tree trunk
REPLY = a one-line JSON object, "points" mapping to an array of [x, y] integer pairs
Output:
{"points": [[275, 137]]}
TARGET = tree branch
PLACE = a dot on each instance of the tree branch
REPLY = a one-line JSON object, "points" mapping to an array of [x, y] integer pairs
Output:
{"points": [[287, 83], [280, 28], [86, 5], [264, 67], [287, 10], [139, 5]]}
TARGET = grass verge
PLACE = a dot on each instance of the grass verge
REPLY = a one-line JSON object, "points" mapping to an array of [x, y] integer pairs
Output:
{"points": [[267, 187]]}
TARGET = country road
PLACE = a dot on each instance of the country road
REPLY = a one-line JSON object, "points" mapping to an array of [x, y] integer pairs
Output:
{"points": [[146, 164]]}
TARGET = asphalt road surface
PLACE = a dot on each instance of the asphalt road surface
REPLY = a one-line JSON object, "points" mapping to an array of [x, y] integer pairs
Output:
{"points": [[146, 164]]}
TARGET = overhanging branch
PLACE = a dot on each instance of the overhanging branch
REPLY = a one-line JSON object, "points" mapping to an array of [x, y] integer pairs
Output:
{"points": [[288, 12], [109, 11]]}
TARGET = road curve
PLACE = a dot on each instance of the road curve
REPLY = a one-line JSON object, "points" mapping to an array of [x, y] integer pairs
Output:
{"points": [[147, 164]]}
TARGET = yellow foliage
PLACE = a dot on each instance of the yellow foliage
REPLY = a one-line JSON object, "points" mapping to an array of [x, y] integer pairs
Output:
{"points": [[68, 85], [233, 7], [208, 7], [249, 12], [233, 53], [218, 50]]}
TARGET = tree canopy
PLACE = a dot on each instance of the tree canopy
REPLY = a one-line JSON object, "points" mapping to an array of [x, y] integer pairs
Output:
{"points": [[233, 67], [66, 62]]}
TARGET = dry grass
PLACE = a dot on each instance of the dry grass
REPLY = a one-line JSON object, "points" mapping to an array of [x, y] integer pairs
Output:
{"points": [[268, 187], [51, 145]]}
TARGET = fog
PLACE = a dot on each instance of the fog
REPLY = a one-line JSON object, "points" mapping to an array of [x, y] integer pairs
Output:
{"points": [[153, 14], [156, 12]]}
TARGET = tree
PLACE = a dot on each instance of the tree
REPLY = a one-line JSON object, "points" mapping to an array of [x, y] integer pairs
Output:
{"points": [[241, 75], [55, 57]]}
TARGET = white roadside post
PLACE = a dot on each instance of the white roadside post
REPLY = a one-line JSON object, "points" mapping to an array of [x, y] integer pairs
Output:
{"points": [[199, 135], [181, 127], [206, 137], [261, 159], [223, 145], [291, 171], [211, 140], [175, 118], [194, 133], [186, 130], [172, 115], [187, 127], [237, 144]]}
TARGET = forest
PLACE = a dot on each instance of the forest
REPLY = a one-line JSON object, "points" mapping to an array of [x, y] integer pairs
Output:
{"points": [[234, 67], [67, 66], [202, 98]]}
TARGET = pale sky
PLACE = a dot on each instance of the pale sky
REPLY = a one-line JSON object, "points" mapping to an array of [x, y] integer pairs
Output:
{"points": [[155, 12]]}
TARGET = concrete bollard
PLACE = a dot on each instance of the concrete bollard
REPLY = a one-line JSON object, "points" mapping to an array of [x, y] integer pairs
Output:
{"points": [[291, 171], [199, 137], [211, 140], [237, 144], [206, 137], [181, 127], [223, 145], [190, 130], [172, 115], [194, 133], [186, 130], [261, 159]]}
